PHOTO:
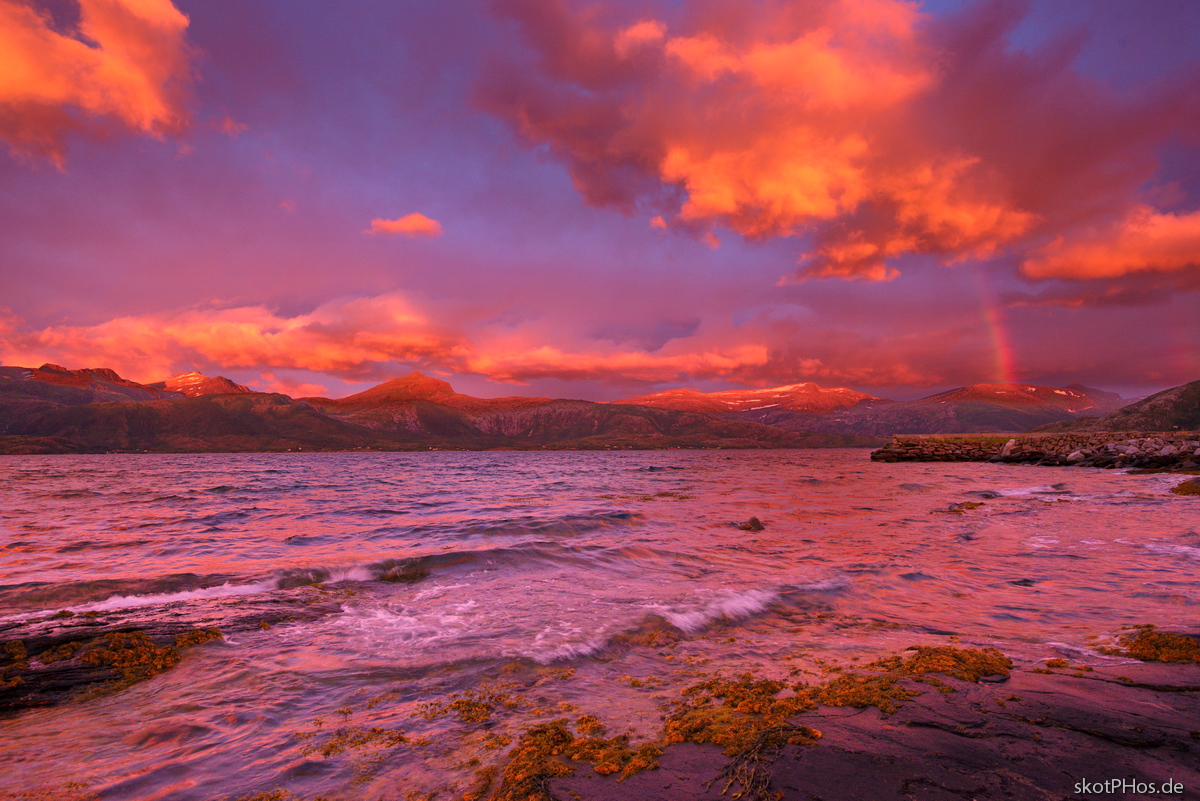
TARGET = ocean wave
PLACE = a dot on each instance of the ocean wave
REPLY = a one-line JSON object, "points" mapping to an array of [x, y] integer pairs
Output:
{"points": [[76, 595], [1081, 655], [666, 622], [1191, 552], [161, 599], [519, 558], [731, 606], [1022, 492], [831, 584], [529, 525]]}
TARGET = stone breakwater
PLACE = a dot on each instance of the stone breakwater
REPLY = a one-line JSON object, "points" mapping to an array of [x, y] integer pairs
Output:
{"points": [[1088, 448]]}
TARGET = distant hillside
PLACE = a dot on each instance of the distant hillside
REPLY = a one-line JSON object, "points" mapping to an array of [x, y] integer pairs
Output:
{"points": [[1075, 399], [427, 408], [241, 422], [978, 408], [1175, 409], [415, 412], [413, 387], [89, 385], [793, 397], [52, 409]]}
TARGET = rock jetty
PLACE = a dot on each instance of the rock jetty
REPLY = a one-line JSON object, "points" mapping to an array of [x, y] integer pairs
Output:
{"points": [[1173, 450]]}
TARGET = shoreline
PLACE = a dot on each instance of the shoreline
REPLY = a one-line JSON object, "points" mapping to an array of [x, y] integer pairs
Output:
{"points": [[934, 721], [1033, 737]]}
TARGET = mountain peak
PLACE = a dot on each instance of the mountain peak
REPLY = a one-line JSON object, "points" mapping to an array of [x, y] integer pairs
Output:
{"points": [[195, 384], [93, 373], [102, 380], [412, 387], [807, 397], [1074, 399], [1175, 409]]}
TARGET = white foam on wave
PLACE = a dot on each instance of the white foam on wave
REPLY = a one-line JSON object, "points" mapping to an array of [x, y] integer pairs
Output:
{"points": [[412, 628], [565, 650], [1186, 551], [731, 606], [343, 573], [349, 573], [1022, 492], [825, 585], [1086, 656], [436, 592], [155, 599], [1042, 541], [561, 640]]}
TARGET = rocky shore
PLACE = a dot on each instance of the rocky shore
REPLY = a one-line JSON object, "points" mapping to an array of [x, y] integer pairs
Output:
{"points": [[50, 659], [1170, 450], [1045, 734]]}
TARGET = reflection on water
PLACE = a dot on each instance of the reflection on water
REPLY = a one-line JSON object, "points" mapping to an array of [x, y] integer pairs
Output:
{"points": [[547, 576]]}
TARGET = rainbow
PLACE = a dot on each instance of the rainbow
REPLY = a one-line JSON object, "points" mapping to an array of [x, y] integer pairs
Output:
{"points": [[1003, 353]]}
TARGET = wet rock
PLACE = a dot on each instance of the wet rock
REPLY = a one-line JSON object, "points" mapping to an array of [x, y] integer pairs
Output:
{"points": [[961, 508], [753, 524], [1149, 644], [1033, 740], [405, 574], [1189, 487], [51, 659]]}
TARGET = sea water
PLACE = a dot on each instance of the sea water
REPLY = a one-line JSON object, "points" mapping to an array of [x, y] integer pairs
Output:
{"points": [[549, 584]]}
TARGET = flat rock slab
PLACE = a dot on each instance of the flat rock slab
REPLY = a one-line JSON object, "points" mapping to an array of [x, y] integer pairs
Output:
{"points": [[975, 743], [40, 684]]}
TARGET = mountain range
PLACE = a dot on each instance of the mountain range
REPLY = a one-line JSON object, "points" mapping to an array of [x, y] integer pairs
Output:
{"points": [[1175, 409], [794, 397], [979, 408], [51, 409]]}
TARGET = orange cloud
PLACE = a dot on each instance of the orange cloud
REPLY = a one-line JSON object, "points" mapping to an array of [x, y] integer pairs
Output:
{"points": [[414, 224], [347, 338], [357, 339], [1145, 241], [126, 64], [371, 339], [863, 124], [520, 365], [643, 33]]}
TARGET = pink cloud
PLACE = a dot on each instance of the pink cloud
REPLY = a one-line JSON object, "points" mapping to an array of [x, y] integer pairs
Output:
{"points": [[127, 65], [525, 364], [867, 125], [269, 382], [1144, 241], [415, 225], [352, 339], [232, 128], [373, 338]]}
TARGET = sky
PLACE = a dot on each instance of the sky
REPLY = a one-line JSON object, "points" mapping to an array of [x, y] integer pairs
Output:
{"points": [[604, 199]]}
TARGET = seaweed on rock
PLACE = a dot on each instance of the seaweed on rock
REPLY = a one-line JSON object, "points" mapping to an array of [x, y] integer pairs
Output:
{"points": [[1149, 644]]}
